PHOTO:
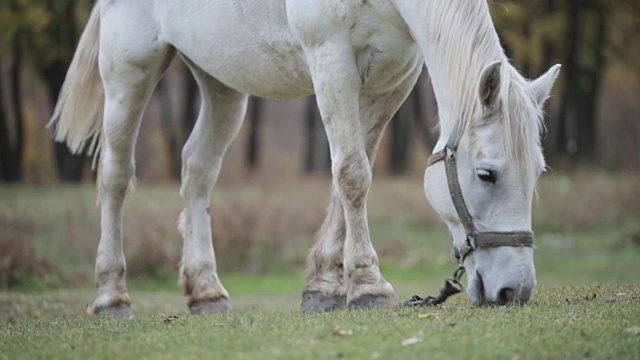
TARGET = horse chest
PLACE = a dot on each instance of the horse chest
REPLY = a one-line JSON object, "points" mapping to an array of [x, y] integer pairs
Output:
{"points": [[382, 66]]}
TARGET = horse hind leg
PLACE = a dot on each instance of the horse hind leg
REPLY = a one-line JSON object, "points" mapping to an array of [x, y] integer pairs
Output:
{"points": [[326, 289], [221, 113], [128, 82]]}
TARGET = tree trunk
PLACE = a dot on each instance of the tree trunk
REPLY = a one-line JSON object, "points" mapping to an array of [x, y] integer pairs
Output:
{"points": [[12, 150], [547, 45], [309, 135], [69, 166], [577, 123], [16, 85], [549, 140], [190, 104], [5, 146], [591, 82], [401, 131], [315, 140], [423, 92], [565, 139], [253, 142], [169, 129]]}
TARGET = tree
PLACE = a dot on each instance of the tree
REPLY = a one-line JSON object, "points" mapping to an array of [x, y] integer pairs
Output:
{"points": [[314, 138], [401, 134], [253, 141], [11, 147], [410, 121], [572, 32], [50, 34], [585, 62], [172, 137]]}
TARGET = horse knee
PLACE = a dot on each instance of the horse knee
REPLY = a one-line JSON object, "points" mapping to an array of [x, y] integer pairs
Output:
{"points": [[353, 177], [197, 178]]}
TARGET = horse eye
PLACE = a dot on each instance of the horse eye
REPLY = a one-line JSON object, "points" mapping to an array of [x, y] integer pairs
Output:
{"points": [[486, 175]]}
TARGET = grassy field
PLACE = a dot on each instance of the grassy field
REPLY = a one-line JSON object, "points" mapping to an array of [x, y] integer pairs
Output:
{"points": [[562, 322], [587, 258]]}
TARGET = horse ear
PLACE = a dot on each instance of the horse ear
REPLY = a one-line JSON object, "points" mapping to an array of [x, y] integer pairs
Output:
{"points": [[542, 86], [490, 84]]}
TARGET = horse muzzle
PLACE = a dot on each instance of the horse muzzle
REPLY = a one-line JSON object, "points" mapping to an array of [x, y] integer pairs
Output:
{"points": [[501, 285]]}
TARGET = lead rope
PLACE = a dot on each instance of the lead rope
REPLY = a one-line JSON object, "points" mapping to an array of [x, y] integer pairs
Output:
{"points": [[451, 287]]}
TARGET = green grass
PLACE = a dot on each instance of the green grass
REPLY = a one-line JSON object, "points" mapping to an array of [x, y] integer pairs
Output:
{"points": [[561, 322], [586, 243]]}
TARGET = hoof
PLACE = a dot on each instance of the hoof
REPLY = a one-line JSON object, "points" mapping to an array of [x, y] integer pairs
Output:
{"points": [[204, 307], [121, 310], [372, 302], [315, 301]]}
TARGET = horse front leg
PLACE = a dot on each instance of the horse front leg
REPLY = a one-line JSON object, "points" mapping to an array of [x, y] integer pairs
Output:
{"points": [[337, 84], [325, 289], [221, 114]]}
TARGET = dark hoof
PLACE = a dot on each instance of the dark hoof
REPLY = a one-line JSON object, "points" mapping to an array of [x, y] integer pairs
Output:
{"points": [[203, 307], [315, 301], [121, 310], [372, 302]]}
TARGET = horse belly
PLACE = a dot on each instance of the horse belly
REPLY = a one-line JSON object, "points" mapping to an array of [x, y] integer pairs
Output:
{"points": [[254, 72], [245, 44]]}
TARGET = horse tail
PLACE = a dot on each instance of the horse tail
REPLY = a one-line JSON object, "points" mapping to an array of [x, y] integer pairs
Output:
{"points": [[77, 118]]}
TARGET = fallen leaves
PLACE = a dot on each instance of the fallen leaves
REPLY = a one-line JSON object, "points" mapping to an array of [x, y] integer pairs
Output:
{"points": [[413, 340], [410, 341], [342, 332], [634, 330]]}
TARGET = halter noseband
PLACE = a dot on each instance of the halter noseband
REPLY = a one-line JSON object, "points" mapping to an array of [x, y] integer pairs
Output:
{"points": [[475, 239]]}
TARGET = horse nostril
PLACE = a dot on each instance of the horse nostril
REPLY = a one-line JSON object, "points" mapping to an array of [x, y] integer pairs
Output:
{"points": [[506, 295]]}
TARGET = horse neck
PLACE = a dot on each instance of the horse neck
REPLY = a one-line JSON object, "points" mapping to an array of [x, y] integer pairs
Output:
{"points": [[457, 39]]}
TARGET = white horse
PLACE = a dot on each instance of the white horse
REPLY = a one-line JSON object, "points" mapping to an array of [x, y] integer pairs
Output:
{"points": [[361, 58]]}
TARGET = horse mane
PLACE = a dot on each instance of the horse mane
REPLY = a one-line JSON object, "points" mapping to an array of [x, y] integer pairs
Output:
{"points": [[466, 41]]}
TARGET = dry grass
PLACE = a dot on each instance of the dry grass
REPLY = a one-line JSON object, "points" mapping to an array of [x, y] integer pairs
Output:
{"points": [[18, 259], [250, 234], [256, 233], [262, 226], [586, 200]]}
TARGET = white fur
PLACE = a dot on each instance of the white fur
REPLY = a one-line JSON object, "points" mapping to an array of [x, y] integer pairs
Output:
{"points": [[360, 57]]}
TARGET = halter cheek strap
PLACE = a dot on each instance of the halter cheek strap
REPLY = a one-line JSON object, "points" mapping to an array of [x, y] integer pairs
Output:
{"points": [[475, 239]]}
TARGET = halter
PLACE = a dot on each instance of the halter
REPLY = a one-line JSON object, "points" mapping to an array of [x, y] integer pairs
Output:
{"points": [[475, 239]]}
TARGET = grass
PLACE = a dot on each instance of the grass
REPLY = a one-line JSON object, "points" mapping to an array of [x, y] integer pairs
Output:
{"points": [[587, 238], [562, 322]]}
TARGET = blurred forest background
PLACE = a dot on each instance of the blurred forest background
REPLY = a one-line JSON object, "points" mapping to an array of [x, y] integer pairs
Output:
{"points": [[592, 118], [592, 144]]}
